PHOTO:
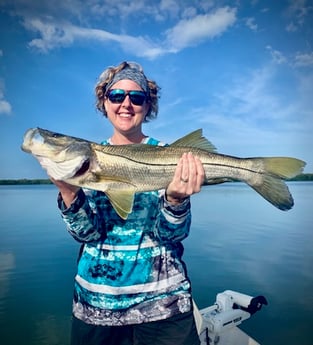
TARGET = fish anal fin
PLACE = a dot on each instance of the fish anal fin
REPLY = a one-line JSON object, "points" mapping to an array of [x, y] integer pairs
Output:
{"points": [[195, 139], [120, 193]]}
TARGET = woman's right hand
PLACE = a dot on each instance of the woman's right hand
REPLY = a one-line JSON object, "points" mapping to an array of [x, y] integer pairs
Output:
{"points": [[68, 191]]}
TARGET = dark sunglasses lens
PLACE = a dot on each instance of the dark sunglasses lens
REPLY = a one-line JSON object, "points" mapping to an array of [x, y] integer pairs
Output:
{"points": [[118, 96], [137, 97]]}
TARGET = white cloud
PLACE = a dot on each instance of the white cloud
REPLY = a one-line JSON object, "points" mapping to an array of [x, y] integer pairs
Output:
{"points": [[256, 105], [265, 10], [291, 27], [52, 34], [251, 94], [299, 59], [189, 32], [245, 110], [55, 35], [5, 106], [121, 9], [303, 59], [170, 6], [72, 20], [298, 11], [86, 12], [250, 22], [277, 56]]}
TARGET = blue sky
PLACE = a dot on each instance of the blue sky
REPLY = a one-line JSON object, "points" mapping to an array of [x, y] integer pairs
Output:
{"points": [[241, 70]]}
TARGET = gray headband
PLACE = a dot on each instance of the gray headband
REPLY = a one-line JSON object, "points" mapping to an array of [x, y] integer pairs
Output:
{"points": [[131, 74]]}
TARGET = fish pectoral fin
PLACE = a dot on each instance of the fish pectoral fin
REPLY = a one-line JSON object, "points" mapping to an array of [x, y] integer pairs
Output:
{"points": [[122, 200], [195, 139]]}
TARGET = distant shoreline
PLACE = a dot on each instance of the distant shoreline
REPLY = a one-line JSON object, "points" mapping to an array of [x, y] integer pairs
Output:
{"points": [[25, 181]]}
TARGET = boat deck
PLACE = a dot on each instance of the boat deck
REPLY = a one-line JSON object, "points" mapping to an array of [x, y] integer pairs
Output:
{"points": [[234, 336]]}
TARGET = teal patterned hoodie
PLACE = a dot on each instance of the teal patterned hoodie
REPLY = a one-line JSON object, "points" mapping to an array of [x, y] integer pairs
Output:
{"points": [[129, 271]]}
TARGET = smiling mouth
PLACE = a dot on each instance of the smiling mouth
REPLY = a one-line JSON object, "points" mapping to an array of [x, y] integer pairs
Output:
{"points": [[124, 115]]}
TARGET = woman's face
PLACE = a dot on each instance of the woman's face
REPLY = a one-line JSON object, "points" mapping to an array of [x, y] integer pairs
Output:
{"points": [[126, 117]]}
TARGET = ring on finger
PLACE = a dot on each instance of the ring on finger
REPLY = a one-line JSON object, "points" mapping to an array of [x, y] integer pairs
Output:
{"points": [[185, 180]]}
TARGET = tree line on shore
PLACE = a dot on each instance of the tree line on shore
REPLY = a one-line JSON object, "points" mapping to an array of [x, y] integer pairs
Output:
{"points": [[24, 181]]}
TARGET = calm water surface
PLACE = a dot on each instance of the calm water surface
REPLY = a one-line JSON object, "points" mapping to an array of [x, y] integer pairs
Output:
{"points": [[238, 241]]}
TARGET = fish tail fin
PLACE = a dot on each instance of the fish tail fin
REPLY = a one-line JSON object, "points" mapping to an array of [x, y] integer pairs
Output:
{"points": [[284, 167], [275, 191], [272, 186]]}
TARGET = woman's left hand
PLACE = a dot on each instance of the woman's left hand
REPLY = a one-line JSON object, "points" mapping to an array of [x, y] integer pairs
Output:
{"points": [[188, 179]]}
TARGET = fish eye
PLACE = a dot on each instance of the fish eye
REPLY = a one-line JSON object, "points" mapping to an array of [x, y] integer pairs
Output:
{"points": [[56, 136]]}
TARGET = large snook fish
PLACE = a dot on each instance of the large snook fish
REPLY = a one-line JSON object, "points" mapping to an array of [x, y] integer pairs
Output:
{"points": [[123, 170]]}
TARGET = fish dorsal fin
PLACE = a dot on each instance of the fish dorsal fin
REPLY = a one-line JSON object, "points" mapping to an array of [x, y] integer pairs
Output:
{"points": [[195, 139], [122, 200]]}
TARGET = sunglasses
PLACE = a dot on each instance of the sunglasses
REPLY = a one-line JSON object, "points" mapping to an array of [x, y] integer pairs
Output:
{"points": [[118, 95]]}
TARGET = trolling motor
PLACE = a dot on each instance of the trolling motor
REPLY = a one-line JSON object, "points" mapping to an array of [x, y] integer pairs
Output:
{"points": [[230, 310]]}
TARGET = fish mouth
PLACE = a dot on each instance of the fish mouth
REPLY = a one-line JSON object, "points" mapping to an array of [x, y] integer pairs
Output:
{"points": [[28, 138]]}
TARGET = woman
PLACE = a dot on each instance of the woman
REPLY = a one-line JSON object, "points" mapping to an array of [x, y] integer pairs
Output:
{"points": [[131, 285]]}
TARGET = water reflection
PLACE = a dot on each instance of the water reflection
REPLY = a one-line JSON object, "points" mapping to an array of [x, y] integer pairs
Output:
{"points": [[7, 265], [238, 241]]}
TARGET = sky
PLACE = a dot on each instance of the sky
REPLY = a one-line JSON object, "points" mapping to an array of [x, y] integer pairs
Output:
{"points": [[240, 70]]}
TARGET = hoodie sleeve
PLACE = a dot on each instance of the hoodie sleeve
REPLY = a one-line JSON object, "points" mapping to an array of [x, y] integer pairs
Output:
{"points": [[81, 218], [173, 224]]}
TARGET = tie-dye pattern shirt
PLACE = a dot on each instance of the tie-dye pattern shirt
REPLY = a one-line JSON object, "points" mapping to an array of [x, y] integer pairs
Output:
{"points": [[129, 271]]}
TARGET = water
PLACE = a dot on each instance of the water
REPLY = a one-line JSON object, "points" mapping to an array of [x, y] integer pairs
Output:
{"points": [[238, 241]]}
